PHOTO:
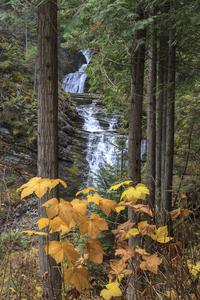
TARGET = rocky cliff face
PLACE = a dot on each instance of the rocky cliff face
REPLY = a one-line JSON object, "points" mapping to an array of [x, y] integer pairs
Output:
{"points": [[18, 136]]}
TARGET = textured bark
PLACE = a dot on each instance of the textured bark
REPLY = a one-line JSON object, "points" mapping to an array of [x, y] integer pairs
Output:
{"points": [[151, 113], [48, 127], [169, 125], [161, 124], [135, 132]]}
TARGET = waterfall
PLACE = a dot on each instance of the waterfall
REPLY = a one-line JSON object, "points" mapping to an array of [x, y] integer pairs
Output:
{"points": [[75, 82], [99, 128], [101, 138]]}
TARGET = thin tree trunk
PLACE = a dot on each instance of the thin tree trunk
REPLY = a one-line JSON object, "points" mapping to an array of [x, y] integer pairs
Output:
{"points": [[170, 125], [151, 113], [161, 125], [151, 119], [48, 127], [135, 131]]}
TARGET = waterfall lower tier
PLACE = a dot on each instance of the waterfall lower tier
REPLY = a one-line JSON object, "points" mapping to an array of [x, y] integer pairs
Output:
{"points": [[101, 133]]}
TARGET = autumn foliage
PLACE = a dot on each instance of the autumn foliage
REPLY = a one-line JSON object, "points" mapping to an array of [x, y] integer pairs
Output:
{"points": [[63, 216]]}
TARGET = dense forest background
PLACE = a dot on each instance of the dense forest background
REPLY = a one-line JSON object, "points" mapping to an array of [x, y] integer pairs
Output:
{"points": [[131, 44]]}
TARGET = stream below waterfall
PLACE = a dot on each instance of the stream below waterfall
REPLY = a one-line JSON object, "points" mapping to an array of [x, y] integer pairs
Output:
{"points": [[100, 128]]}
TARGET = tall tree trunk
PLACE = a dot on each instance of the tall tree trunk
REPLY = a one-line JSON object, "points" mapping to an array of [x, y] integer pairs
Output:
{"points": [[161, 125], [135, 129], [151, 119], [151, 112], [167, 201], [48, 127]]}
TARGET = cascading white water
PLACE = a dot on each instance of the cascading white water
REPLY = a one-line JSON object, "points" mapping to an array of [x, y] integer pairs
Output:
{"points": [[101, 138], [75, 82], [100, 129]]}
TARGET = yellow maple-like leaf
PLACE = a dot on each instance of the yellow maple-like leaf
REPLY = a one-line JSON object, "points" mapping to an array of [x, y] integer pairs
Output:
{"points": [[150, 263], [80, 205], [115, 187], [59, 225], [106, 205], [112, 290], [92, 225], [94, 198], [35, 185], [131, 232], [120, 206], [39, 186], [43, 222], [142, 188], [161, 235], [85, 191], [77, 276], [29, 232], [60, 249], [133, 194], [51, 207], [63, 209], [94, 250], [55, 182]]}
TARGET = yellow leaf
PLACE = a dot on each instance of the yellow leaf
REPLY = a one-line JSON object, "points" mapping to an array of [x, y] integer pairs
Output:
{"points": [[55, 182], [142, 188], [77, 276], [94, 198], [133, 194], [79, 205], [43, 222], [132, 232], [142, 224], [94, 250], [106, 205], [115, 187], [29, 232], [59, 249], [63, 209], [39, 186], [118, 208], [112, 290], [93, 225], [35, 185], [85, 191], [161, 235], [57, 224], [51, 207]]}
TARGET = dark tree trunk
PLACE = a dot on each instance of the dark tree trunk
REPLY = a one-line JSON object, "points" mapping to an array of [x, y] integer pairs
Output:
{"points": [[161, 124], [48, 126], [135, 130], [151, 112], [151, 119], [167, 201]]}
